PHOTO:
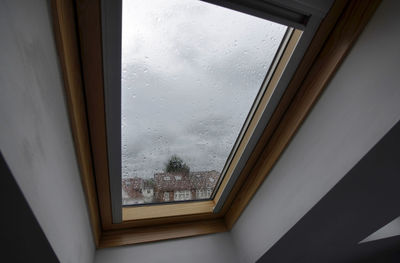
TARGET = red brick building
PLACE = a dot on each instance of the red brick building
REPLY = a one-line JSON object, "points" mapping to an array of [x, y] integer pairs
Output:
{"points": [[132, 191], [168, 187]]}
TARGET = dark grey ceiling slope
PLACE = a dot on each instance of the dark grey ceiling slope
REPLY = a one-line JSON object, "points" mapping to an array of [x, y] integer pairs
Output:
{"points": [[366, 199], [21, 238]]}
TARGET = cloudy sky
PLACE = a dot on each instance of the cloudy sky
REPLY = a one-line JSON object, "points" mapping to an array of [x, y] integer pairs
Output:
{"points": [[190, 72]]}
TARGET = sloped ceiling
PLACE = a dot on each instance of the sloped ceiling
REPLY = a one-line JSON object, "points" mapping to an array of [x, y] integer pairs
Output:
{"points": [[365, 200]]}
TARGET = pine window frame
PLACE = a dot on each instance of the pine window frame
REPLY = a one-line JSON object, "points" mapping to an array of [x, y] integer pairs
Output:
{"points": [[77, 30]]}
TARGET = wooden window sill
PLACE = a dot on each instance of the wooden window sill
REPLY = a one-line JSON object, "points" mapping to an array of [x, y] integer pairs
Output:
{"points": [[167, 210]]}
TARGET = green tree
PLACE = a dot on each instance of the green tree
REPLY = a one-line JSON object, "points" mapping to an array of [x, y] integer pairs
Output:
{"points": [[175, 164]]}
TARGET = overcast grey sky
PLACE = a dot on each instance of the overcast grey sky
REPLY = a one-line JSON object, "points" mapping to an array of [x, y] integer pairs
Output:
{"points": [[190, 72]]}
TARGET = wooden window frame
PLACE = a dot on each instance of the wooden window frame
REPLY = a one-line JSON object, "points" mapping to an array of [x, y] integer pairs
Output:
{"points": [[208, 206], [77, 28]]}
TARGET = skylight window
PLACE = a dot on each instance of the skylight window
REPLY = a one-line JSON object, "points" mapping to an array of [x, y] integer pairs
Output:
{"points": [[191, 72]]}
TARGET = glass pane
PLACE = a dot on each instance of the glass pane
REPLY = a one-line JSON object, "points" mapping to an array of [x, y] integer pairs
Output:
{"points": [[190, 73]]}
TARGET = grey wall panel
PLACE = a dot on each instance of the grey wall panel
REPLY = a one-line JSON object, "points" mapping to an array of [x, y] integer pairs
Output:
{"points": [[35, 136], [22, 239]]}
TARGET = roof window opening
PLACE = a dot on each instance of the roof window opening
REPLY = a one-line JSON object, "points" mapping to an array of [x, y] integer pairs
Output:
{"points": [[191, 72]]}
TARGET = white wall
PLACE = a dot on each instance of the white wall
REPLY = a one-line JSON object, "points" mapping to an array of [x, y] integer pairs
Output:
{"points": [[35, 136], [215, 248], [359, 106]]}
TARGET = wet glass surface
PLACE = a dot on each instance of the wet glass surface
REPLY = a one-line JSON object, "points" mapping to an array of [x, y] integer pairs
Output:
{"points": [[190, 73]]}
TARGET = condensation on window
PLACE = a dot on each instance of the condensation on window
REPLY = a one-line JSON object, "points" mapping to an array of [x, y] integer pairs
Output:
{"points": [[190, 73]]}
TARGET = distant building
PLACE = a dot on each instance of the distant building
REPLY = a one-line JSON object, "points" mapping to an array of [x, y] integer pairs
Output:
{"points": [[180, 186], [132, 191], [148, 190], [168, 187]]}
